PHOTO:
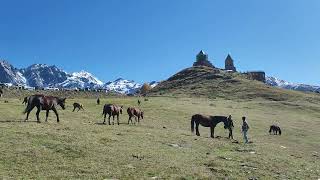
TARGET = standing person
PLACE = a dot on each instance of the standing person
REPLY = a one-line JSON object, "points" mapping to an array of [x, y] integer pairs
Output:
{"points": [[230, 127], [98, 101], [245, 128]]}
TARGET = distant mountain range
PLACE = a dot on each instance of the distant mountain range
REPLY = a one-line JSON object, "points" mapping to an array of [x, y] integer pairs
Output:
{"points": [[272, 81], [42, 75]]}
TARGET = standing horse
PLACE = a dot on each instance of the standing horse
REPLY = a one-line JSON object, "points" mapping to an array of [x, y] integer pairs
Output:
{"points": [[136, 113], [77, 106], [25, 100], [111, 110], [43, 102], [210, 121], [98, 101], [275, 129]]}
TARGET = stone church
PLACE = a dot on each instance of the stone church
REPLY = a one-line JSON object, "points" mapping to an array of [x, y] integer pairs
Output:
{"points": [[229, 65], [202, 60]]}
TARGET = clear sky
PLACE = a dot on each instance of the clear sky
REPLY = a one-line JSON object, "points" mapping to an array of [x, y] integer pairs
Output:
{"points": [[147, 40]]}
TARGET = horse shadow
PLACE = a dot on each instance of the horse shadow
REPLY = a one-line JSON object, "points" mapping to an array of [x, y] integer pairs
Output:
{"points": [[16, 121]]}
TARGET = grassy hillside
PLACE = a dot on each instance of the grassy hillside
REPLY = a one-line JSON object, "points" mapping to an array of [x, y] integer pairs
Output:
{"points": [[162, 146], [215, 83]]}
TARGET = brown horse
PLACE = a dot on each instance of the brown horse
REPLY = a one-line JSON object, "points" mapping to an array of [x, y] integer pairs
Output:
{"points": [[77, 106], [136, 113], [25, 100], [111, 110], [43, 102], [210, 121]]}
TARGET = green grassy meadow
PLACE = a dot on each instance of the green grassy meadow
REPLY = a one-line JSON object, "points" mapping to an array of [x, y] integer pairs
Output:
{"points": [[162, 145]]}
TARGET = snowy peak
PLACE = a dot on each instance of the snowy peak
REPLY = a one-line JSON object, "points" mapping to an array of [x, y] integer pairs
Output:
{"points": [[123, 86], [272, 81], [9, 74], [81, 80]]}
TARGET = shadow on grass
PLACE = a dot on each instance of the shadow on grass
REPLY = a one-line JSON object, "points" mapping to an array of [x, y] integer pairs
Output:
{"points": [[17, 121]]}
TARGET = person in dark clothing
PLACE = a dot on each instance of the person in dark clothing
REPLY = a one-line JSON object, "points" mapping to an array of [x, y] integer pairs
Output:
{"points": [[245, 129]]}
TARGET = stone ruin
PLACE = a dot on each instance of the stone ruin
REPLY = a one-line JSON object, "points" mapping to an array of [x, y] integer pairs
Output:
{"points": [[257, 75]]}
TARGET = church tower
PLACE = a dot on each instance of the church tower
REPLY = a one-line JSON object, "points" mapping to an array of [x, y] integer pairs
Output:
{"points": [[229, 65], [202, 60]]}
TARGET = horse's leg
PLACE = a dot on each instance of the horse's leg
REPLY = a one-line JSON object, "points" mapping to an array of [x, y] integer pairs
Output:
{"points": [[78, 109], [197, 129], [74, 108], [104, 119], [118, 119], [109, 119], [212, 132], [129, 119], [37, 113], [28, 112], [56, 112], [47, 114]]}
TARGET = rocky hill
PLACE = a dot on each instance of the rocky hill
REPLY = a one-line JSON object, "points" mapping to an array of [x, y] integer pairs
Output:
{"points": [[215, 83]]}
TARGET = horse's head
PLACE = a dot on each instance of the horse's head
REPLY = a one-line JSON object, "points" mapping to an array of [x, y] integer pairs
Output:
{"points": [[121, 109], [62, 102]]}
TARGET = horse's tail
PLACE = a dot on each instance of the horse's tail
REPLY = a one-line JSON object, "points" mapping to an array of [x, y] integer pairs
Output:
{"points": [[27, 108], [279, 131], [192, 124], [270, 129]]}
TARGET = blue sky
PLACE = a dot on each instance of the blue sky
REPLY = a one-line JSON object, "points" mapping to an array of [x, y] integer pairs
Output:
{"points": [[147, 40]]}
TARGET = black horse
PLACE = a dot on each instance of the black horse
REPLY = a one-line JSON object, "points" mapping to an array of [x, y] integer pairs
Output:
{"points": [[25, 100], [211, 121], [276, 130], [43, 102]]}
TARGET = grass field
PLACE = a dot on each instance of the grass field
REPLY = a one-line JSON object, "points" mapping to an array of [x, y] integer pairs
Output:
{"points": [[161, 146]]}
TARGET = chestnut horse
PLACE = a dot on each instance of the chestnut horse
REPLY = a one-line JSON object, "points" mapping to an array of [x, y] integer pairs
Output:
{"points": [[43, 102], [111, 110], [136, 113], [210, 121]]}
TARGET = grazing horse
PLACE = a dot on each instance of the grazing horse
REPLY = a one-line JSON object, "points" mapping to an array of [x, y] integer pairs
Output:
{"points": [[77, 106], [25, 100], [111, 110], [43, 102], [136, 113], [275, 130], [98, 101], [210, 121]]}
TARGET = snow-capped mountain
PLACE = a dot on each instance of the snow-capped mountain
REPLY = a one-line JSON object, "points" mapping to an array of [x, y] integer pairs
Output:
{"points": [[42, 75], [9, 74], [123, 86], [81, 79], [272, 81], [153, 84]]}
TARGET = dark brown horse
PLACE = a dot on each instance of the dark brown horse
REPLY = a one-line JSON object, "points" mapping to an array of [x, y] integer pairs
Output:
{"points": [[136, 113], [275, 130], [43, 102], [25, 100], [210, 121], [111, 110], [98, 101], [78, 106]]}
